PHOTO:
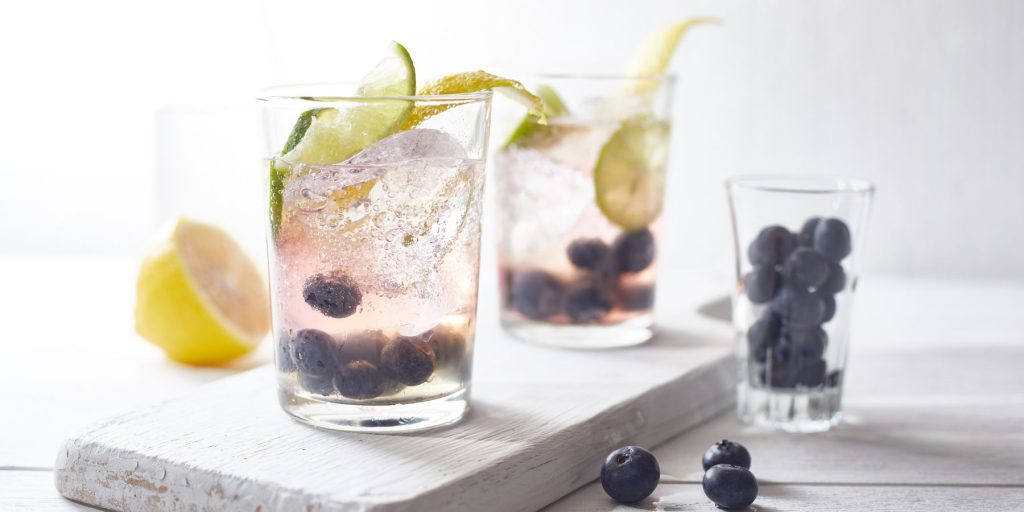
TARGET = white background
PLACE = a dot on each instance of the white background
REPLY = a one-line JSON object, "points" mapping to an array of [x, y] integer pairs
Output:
{"points": [[117, 115]]}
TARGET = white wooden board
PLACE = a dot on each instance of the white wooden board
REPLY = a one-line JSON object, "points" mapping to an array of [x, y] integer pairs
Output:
{"points": [[541, 423]]}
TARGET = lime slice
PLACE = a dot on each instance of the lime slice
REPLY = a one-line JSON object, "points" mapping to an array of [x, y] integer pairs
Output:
{"points": [[472, 82], [531, 127], [653, 58], [200, 298], [629, 178], [327, 135]]}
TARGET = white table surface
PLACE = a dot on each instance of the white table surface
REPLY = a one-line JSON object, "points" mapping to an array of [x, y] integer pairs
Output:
{"points": [[935, 395]]}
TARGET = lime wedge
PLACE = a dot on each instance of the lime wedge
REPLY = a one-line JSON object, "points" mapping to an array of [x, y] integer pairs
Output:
{"points": [[531, 127], [653, 58], [328, 136], [472, 82], [629, 178]]}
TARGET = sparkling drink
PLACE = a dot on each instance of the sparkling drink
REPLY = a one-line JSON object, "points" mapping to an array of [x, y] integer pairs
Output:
{"points": [[580, 203]]}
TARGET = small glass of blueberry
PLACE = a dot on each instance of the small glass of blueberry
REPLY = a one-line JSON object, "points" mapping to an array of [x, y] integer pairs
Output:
{"points": [[797, 240]]}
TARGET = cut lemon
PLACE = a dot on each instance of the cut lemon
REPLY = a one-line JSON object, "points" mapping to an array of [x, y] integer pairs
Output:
{"points": [[653, 58], [531, 127], [200, 298], [473, 81], [629, 178]]}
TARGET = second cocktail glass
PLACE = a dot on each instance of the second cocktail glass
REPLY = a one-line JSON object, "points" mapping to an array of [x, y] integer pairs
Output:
{"points": [[580, 210]]}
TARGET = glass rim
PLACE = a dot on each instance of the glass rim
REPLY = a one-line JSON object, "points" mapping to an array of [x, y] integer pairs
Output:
{"points": [[293, 92], [801, 184], [607, 77]]}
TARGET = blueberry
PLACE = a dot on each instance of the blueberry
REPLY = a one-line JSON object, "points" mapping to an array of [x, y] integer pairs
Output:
{"points": [[333, 294], [633, 251], [635, 297], [808, 342], [360, 380], [832, 239], [630, 474], [812, 373], [587, 304], [726, 452], [806, 236], [313, 352], [771, 247], [317, 384], [834, 379], [283, 354], [536, 294], [409, 360], [836, 280], [761, 284], [730, 487], [449, 347], [830, 308], [805, 269], [799, 309], [361, 346], [763, 335], [589, 253], [781, 374]]}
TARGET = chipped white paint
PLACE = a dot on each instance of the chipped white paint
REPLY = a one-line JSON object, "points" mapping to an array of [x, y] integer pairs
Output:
{"points": [[541, 421]]}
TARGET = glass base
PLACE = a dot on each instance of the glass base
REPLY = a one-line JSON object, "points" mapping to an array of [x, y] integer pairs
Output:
{"points": [[635, 331], [382, 419], [790, 410]]}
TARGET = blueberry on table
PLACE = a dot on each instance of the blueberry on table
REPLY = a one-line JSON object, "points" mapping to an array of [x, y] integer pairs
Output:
{"points": [[630, 474], [812, 373], [805, 269], [771, 247], [761, 284], [536, 294], [589, 253], [832, 239], [633, 251], [726, 452], [360, 380], [333, 294], [587, 305], [806, 236], [836, 280], [409, 360], [762, 335], [635, 297], [361, 346], [313, 352], [796, 308], [317, 384], [830, 308], [730, 487]]}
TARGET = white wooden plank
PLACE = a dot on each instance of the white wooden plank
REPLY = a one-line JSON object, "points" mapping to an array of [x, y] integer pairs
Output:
{"points": [[542, 420], [779, 497], [32, 491]]}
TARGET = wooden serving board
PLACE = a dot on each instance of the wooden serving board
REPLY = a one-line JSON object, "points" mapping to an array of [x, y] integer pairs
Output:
{"points": [[541, 422]]}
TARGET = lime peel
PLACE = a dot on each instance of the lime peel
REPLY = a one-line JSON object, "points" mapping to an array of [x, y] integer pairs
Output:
{"points": [[653, 58], [473, 81]]}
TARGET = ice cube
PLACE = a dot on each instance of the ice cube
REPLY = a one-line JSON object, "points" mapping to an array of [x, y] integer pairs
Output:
{"points": [[410, 145], [541, 201]]}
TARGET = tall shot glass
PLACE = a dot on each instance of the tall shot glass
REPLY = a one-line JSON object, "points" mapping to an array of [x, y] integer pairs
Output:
{"points": [[374, 260], [798, 243], [580, 201]]}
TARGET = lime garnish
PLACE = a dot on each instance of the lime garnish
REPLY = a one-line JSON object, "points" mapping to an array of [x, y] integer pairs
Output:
{"points": [[629, 178], [473, 81], [652, 59], [531, 127]]}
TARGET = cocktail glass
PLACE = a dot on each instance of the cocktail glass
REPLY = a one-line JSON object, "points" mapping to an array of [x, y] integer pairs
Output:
{"points": [[580, 211], [374, 259]]}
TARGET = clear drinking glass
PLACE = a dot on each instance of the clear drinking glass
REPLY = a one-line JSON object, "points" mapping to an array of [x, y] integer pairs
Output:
{"points": [[374, 261], [798, 243], [580, 208]]}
